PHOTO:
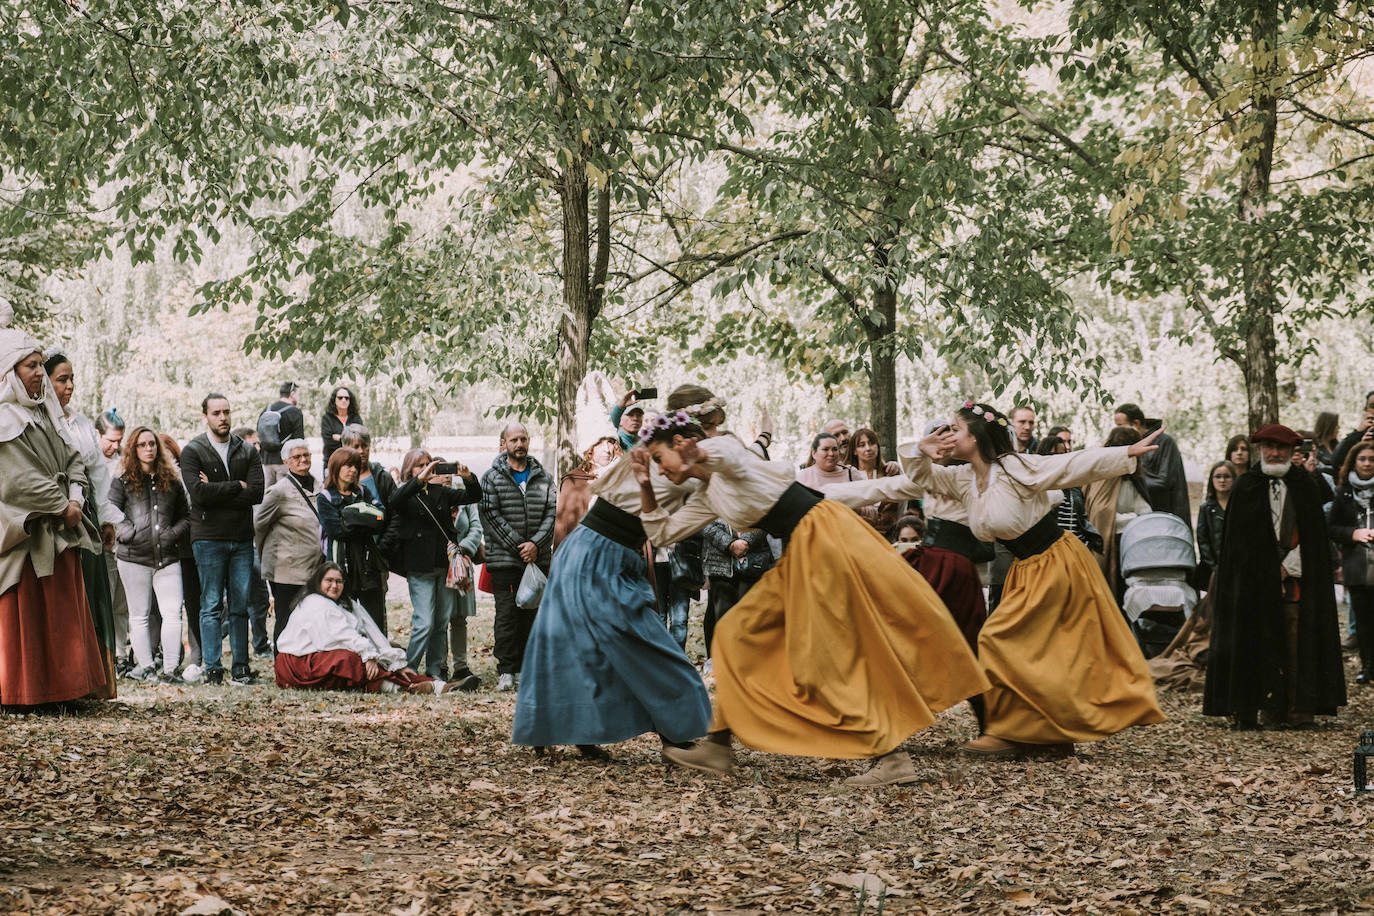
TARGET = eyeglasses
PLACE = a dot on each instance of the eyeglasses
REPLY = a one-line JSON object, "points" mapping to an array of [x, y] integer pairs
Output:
{"points": [[1223, 477], [304, 457], [342, 397]]}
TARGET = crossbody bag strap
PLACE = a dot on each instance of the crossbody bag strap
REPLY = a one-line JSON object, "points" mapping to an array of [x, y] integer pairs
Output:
{"points": [[423, 505], [305, 496]]}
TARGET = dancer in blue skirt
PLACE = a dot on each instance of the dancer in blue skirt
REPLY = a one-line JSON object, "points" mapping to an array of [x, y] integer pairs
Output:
{"points": [[600, 667]]}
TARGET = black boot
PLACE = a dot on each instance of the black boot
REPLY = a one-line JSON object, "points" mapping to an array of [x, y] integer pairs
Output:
{"points": [[1364, 633], [980, 711]]}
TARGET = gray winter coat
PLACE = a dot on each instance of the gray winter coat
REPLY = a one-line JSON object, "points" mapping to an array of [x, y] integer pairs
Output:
{"points": [[511, 517]]}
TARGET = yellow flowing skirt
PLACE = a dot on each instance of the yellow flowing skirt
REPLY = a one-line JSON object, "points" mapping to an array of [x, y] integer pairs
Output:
{"points": [[840, 650], [1063, 664]]}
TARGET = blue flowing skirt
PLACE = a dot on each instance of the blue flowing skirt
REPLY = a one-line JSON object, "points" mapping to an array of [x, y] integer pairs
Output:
{"points": [[600, 666]]}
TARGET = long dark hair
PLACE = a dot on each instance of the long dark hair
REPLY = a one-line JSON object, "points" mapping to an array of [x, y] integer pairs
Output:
{"points": [[666, 434], [333, 409], [1126, 435], [993, 437], [1231, 444], [1326, 429], [131, 470], [864, 432], [314, 583]]}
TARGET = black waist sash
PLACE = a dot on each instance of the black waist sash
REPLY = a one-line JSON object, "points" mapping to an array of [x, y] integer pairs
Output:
{"points": [[620, 526], [1039, 538], [787, 512], [953, 536]]}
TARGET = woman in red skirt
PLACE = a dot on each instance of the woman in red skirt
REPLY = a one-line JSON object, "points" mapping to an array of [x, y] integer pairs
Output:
{"points": [[331, 646], [48, 648]]}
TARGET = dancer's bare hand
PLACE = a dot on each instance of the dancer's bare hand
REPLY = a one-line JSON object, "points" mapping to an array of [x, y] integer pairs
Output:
{"points": [[1144, 446], [938, 443], [639, 463]]}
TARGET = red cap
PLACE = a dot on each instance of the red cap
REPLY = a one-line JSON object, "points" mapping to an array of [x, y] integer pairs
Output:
{"points": [[1276, 432]]}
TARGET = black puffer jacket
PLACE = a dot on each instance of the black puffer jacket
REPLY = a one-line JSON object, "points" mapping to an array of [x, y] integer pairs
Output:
{"points": [[155, 522], [511, 516]]}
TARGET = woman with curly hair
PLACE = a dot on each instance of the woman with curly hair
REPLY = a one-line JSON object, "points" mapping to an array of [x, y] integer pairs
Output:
{"points": [[157, 515], [574, 490], [341, 411]]}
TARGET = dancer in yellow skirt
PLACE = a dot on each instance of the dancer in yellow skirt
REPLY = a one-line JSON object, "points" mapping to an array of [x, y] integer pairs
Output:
{"points": [[1063, 664], [840, 650]]}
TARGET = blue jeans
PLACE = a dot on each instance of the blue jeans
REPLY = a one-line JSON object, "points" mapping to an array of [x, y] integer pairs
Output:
{"points": [[677, 596], [226, 567], [434, 605]]}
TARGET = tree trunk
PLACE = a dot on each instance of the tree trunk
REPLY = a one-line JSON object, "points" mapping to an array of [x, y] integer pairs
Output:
{"points": [[882, 366], [1259, 361], [574, 330]]}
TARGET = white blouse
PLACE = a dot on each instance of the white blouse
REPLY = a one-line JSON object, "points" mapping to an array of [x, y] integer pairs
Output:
{"points": [[86, 440], [898, 487], [1020, 488], [321, 625], [617, 485]]}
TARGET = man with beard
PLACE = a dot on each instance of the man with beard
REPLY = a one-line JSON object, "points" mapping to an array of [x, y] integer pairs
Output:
{"points": [[518, 512], [1275, 646]]}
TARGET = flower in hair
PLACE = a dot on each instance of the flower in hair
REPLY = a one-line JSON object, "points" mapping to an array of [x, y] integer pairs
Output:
{"points": [[663, 422], [986, 412]]}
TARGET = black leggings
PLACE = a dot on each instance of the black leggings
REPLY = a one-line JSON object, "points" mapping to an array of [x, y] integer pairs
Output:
{"points": [[1362, 606]]}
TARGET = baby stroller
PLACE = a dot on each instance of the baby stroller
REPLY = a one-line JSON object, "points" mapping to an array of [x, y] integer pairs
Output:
{"points": [[1157, 562]]}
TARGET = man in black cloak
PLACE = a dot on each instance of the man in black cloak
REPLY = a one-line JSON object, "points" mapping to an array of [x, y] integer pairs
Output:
{"points": [[1275, 637]]}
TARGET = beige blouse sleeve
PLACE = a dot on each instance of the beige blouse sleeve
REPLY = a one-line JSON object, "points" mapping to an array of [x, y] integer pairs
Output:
{"points": [[1055, 472], [924, 473], [663, 528], [856, 493]]}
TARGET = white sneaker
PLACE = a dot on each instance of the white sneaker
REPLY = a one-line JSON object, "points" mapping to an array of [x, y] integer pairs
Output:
{"points": [[143, 673], [505, 682], [193, 674]]}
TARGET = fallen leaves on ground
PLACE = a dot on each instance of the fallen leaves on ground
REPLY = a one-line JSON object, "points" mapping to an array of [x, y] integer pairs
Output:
{"points": [[258, 801]]}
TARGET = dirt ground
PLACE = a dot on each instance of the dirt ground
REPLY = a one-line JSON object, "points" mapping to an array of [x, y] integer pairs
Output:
{"points": [[257, 800]]}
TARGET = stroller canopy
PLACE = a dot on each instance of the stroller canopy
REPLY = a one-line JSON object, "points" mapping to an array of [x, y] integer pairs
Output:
{"points": [[1156, 540]]}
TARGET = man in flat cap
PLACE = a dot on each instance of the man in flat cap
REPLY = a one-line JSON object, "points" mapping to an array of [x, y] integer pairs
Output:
{"points": [[1275, 648]]}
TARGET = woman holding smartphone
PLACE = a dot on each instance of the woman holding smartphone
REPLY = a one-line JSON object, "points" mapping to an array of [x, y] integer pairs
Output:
{"points": [[422, 511]]}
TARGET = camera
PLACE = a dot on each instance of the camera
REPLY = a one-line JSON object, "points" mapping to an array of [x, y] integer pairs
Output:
{"points": [[644, 394], [448, 468]]}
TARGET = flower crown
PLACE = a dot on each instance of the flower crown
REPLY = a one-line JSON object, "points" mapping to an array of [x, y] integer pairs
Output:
{"points": [[662, 422], [986, 412], [710, 405]]}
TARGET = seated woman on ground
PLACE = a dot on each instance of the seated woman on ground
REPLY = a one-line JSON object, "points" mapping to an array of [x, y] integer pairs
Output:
{"points": [[330, 646]]}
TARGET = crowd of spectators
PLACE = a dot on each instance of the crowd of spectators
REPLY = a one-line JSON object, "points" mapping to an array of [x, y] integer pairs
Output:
{"points": [[235, 527]]}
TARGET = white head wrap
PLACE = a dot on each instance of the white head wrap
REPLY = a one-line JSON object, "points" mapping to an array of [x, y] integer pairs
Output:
{"points": [[15, 403]]}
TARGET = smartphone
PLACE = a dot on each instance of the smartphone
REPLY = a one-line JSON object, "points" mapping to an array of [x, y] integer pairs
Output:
{"points": [[644, 394], [448, 468]]}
